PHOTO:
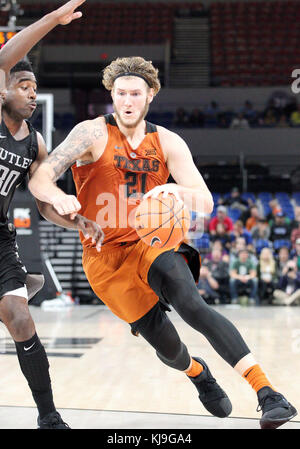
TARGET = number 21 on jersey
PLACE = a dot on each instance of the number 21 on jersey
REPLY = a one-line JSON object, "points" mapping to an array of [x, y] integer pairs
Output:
{"points": [[135, 183]]}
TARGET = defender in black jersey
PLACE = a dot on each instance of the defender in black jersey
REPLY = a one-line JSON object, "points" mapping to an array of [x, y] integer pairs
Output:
{"points": [[21, 151]]}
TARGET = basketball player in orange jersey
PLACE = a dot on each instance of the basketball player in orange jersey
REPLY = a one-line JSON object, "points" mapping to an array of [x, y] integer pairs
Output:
{"points": [[114, 158], [21, 150]]}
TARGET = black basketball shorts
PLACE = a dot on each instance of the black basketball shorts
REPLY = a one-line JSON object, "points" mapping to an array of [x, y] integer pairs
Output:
{"points": [[12, 271]]}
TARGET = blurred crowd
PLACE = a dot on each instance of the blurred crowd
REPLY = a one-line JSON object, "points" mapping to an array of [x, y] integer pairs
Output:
{"points": [[252, 260], [281, 111]]}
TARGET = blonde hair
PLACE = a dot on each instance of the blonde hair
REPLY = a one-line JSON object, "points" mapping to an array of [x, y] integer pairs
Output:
{"points": [[269, 262], [134, 64]]}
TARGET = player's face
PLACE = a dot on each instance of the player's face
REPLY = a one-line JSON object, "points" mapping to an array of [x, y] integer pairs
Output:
{"points": [[20, 101], [131, 99]]}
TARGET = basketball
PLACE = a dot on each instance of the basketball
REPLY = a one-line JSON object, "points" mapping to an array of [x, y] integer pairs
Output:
{"points": [[162, 222]]}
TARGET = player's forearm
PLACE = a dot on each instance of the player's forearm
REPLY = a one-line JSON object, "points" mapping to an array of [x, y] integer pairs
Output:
{"points": [[196, 200], [43, 187], [47, 211], [17, 47]]}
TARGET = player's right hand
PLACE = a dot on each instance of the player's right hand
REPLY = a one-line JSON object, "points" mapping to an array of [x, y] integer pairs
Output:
{"points": [[65, 14], [66, 204]]}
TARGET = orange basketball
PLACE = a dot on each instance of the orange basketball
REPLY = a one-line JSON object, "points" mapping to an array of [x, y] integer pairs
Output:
{"points": [[162, 222]]}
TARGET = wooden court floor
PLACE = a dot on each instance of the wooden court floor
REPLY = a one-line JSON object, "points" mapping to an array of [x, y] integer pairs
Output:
{"points": [[105, 378]]}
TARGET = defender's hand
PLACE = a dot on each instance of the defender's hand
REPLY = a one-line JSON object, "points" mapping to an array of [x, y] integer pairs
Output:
{"points": [[65, 14], [90, 229]]}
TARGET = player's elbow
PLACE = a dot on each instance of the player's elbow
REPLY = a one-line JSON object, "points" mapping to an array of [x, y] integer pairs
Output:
{"points": [[33, 185], [35, 182], [39, 180]]}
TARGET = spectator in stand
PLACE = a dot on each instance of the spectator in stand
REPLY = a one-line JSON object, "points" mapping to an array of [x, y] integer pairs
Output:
{"points": [[196, 119], [211, 114], [283, 122], [219, 270], [239, 122], [295, 223], [253, 219], [221, 217], [281, 102], [222, 235], [217, 244], [181, 117], [238, 245], [243, 276], [295, 117], [261, 231], [266, 272], [269, 118], [295, 253], [207, 286], [288, 291], [280, 230], [235, 201], [295, 236], [281, 261], [249, 113], [275, 208], [240, 231]]}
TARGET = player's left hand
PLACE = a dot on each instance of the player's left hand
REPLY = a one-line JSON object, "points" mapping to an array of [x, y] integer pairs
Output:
{"points": [[90, 229], [65, 14], [166, 189]]}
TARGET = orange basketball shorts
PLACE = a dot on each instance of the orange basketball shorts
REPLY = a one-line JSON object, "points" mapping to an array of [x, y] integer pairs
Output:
{"points": [[118, 276]]}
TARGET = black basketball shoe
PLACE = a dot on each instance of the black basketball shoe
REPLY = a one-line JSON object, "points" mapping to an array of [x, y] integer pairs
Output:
{"points": [[214, 399], [52, 421], [276, 410]]}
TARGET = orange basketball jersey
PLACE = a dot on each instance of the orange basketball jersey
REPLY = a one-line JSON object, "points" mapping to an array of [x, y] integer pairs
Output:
{"points": [[110, 188]]}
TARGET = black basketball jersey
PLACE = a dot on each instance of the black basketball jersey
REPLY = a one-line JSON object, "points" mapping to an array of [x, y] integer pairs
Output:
{"points": [[16, 156]]}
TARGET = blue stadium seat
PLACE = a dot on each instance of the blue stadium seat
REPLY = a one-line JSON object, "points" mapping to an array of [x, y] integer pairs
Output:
{"points": [[277, 244], [234, 214], [296, 197], [266, 196], [248, 195], [216, 196], [202, 243], [261, 243]]}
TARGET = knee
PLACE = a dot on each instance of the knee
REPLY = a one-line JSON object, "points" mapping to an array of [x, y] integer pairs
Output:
{"points": [[253, 282], [18, 322], [172, 350]]}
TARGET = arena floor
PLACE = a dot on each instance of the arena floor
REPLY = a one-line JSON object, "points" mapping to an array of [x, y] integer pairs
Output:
{"points": [[104, 378]]}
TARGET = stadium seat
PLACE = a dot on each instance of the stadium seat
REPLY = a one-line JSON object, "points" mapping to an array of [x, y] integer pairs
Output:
{"points": [[261, 243], [234, 214], [203, 243], [243, 26], [145, 23], [277, 244]]}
